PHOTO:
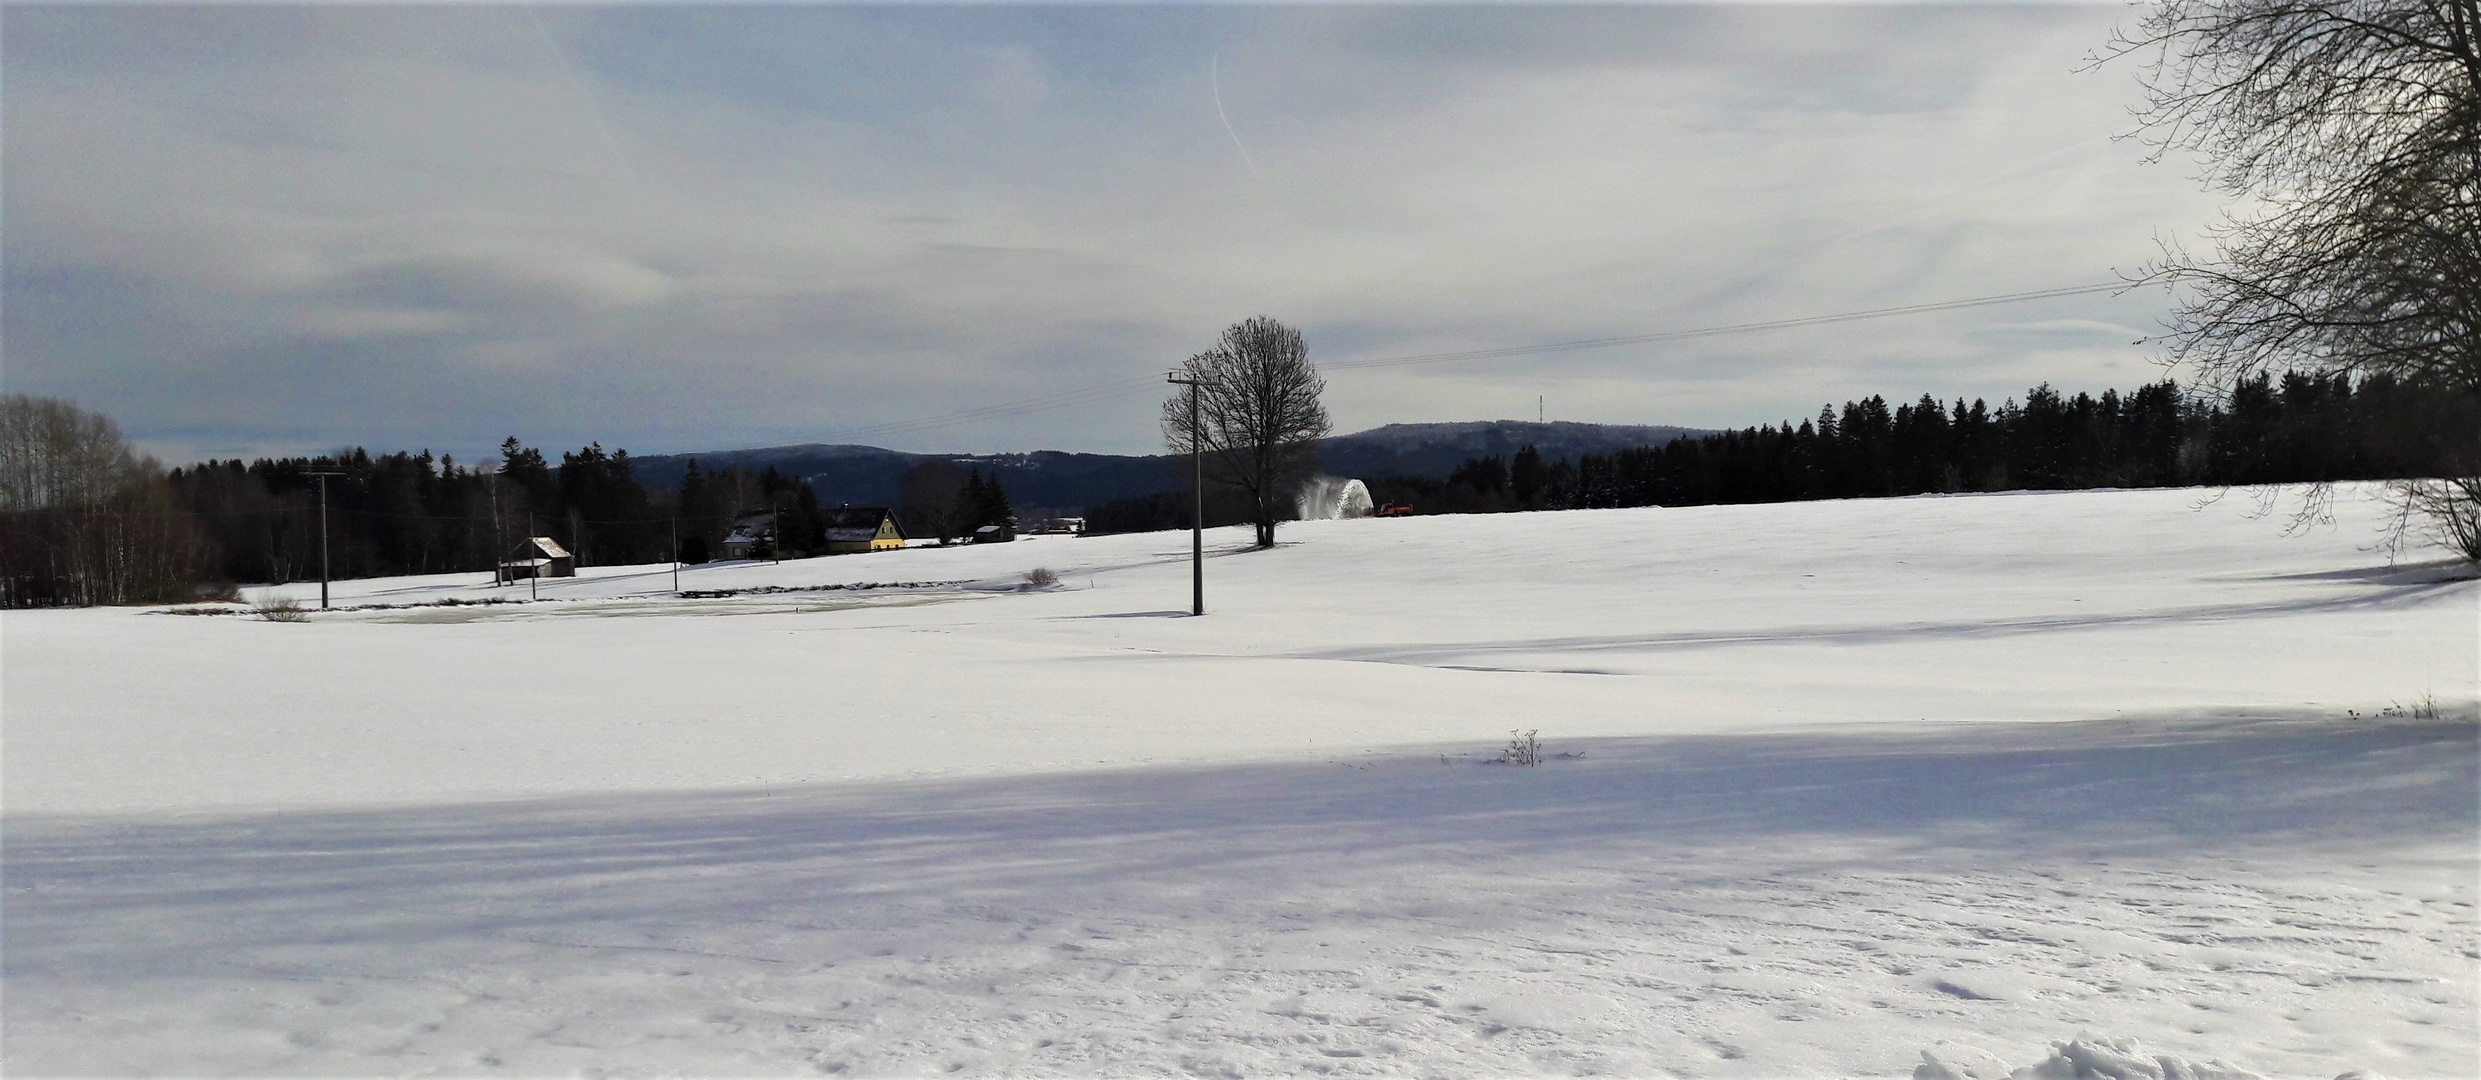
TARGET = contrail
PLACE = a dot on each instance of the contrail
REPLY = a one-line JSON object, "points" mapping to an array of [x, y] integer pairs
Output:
{"points": [[1214, 83], [594, 115]]}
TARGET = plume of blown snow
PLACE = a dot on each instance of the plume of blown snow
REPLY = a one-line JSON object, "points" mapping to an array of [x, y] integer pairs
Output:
{"points": [[1326, 498]]}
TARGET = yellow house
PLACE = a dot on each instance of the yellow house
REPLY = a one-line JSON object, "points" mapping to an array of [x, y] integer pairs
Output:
{"points": [[855, 529]]}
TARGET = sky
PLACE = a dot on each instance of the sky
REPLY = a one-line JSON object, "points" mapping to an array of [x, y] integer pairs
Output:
{"points": [[262, 230]]}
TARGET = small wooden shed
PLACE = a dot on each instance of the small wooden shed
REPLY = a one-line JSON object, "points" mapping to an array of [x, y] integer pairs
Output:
{"points": [[538, 556]]}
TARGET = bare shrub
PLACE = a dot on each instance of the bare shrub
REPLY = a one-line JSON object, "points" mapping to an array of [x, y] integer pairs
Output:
{"points": [[1523, 749], [1040, 578], [215, 592], [2426, 708], [281, 609]]}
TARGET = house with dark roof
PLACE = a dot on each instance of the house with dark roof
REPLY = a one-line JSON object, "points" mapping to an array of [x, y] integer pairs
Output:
{"points": [[752, 534], [855, 529]]}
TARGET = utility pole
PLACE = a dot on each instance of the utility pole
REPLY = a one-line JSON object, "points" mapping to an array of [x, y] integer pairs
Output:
{"points": [[1197, 484], [499, 543], [676, 554], [533, 561], [323, 534]]}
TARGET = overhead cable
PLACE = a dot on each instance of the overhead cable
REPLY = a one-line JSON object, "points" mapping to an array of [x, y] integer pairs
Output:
{"points": [[1128, 387]]}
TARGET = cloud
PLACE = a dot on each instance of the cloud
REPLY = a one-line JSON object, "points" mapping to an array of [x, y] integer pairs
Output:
{"points": [[710, 227], [374, 322]]}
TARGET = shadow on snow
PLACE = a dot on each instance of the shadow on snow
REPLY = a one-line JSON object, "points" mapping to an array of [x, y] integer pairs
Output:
{"points": [[1957, 797]]}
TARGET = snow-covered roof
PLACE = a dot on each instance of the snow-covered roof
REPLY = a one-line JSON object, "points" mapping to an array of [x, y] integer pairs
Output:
{"points": [[853, 517], [550, 548]]}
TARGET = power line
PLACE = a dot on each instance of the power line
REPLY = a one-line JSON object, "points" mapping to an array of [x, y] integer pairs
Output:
{"points": [[1129, 387], [1063, 399], [1735, 328]]}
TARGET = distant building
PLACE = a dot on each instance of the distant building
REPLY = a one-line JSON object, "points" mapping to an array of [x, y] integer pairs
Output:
{"points": [[538, 556], [751, 535], [852, 530], [995, 534]]}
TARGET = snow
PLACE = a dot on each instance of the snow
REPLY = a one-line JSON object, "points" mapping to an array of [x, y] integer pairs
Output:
{"points": [[2089, 1059], [1327, 498], [2101, 780]]}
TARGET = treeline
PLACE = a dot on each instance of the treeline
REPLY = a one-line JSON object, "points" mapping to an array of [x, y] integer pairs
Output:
{"points": [[940, 503], [83, 520], [408, 513], [1165, 510], [2301, 428]]}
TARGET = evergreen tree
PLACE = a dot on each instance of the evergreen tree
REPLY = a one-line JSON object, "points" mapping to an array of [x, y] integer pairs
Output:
{"points": [[1526, 478], [992, 507], [976, 502]]}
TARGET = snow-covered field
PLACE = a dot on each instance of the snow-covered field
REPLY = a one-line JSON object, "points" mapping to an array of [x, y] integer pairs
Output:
{"points": [[1827, 786]]}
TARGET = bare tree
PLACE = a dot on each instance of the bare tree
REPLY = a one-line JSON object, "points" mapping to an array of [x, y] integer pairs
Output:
{"points": [[84, 519], [2351, 130], [56, 455], [1258, 416], [934, 504]]}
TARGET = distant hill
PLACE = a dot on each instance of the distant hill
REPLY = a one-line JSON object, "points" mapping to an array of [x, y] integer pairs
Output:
{"points": [[870, 475], [859, 466]]}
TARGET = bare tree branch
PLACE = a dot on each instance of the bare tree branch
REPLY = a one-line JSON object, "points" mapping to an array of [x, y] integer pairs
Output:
{"points": [[2353, 130]]}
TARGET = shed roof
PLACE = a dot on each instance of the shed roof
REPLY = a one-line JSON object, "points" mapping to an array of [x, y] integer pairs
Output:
{"points": [[549, 547]]}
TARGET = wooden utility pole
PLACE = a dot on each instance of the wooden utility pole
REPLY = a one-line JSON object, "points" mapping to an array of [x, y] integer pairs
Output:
{"points": [[676, 554], [323, 534], [499, 543], [1197, 484]]}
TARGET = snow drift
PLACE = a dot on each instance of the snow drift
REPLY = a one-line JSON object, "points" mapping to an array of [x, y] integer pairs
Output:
{"points": [[2086, 1058]]}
